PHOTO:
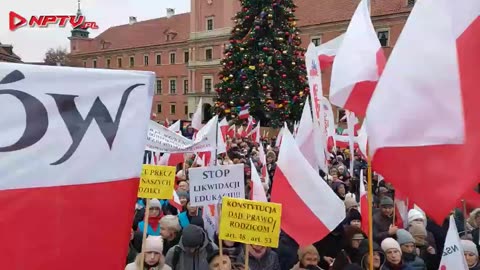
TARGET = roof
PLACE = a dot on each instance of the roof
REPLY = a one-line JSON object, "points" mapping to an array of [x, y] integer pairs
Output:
{"points": [[314, 12], [6, 55], [143, 33], [153, 32]]}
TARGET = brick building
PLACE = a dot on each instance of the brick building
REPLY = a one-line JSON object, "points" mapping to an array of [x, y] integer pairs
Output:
{"points": [[7, 54], [184, 50]]}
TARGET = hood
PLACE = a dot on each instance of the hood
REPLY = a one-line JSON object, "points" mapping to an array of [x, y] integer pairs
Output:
{"points": [[363, 251], [204, 244]]}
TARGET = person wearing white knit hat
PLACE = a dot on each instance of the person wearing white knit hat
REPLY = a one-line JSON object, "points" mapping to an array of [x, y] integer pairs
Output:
{"points": [[153, 257], [471, 254], [393, 253], [415, 216]]}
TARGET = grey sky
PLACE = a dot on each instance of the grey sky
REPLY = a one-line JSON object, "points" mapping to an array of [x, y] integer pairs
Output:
{"points": [[32, 43]]}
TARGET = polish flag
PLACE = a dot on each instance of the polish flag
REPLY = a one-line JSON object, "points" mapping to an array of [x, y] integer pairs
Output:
{"points": [[86, 130], [364, 205], [244, 112], [257, 192], [255, 134], [306, 216], [231, 131], [251, 123], [430, 111], [224, 128], [453, 257], [358, 64], [263, 160], [175, 127], [362, 139], [197, 116], [305, 137], [175, 202], [166, 123], [278, 142], [326, 52], [171, 159], [221, 141], [241, 132]]}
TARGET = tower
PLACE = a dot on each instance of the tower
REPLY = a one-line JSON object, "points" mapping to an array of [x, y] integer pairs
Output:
{"points": [[79, 32], [79, 36]]}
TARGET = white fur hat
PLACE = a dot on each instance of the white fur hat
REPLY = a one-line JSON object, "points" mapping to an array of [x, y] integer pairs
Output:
{"points": [[390, 243], [414, 214], [154, 203], [154, 244]]}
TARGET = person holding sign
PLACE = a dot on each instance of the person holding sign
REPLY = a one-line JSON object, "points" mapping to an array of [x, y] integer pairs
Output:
{"points": [[154, 217], [262, 258], [186, 216], [154, 258]]}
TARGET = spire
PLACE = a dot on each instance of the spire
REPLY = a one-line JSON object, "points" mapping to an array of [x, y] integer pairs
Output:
{"points": [[79, 10], [79, 32]]}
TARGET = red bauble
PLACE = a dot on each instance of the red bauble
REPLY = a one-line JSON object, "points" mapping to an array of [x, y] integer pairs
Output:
{"points": [[244, 77], [287, 34], [257, 27], [247, 17], [230, 63], [284, 76], [279, 62], [242, 101], [295, 98], [252, 39], [244, 62], [229, 89], [264, 87], [245, 9], [265, 49]]}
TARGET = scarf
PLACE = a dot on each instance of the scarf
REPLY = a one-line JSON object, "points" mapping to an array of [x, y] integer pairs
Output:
{"points": [[154, 222]]}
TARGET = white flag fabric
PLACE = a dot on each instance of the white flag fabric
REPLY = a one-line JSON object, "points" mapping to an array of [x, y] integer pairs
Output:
{"points": [[453, 258], [197, 116], [258, 192]]}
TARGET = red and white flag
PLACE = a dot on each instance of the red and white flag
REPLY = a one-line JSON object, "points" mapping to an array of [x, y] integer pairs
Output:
{"points": [[231, 131], [175, 127], [453, 257], [306, 216], [278, 142], [224, 128], [305, 137], [326, 52], [244, 112], [255, 133], [166, 123], [358, 64], [86, 130], [197, 116], [428, 108], [364, 205], [257, 192], [263, 160]]}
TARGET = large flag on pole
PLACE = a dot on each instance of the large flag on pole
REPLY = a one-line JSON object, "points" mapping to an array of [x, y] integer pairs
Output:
{"points": [[85, 130], [429, 108]]}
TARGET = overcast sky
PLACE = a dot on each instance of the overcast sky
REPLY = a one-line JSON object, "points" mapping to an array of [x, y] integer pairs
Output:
{"points": [[32, 43]]}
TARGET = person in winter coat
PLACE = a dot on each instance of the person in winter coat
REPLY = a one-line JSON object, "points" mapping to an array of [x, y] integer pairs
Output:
{"points": [[307, 257], [185, 217], [378, 255], [217, 262], [349, 254], [354, 218], [424, 250], [350, 203], [192, 251], [287, 251], [383, 221], [261, 258], [153, 257], [409, 253], [132, 252], [393, 254], [329, 247], [232, 249], [417, 217], [170, 231], [154, 216], [340, 189], [471, 254]]}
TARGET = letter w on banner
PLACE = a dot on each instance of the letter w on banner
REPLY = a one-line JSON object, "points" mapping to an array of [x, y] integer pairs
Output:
{"points": [[430, 111], [86, 130]]}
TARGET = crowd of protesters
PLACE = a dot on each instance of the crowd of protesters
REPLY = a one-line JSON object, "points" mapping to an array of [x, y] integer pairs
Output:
{"points": [[178, 239]]}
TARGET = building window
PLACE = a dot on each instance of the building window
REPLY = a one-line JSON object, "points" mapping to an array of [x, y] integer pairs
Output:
{"points": [[410, 3], [132, 61], [207, 85], [186, 56], [341, 116], [316, 40], [208, 54], [172, 58], [159, 87], [159, 59], [108, 63], [119, 62], [185, 86], [209, 24], [145, 60], [172, 109], [384, 37], [84, 64], [186, 110], [94, 63], [173, 86], [159, 108]]}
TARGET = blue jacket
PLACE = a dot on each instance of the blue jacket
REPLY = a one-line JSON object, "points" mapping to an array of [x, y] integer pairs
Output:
{"points": [[150, 230], [183, 218]]}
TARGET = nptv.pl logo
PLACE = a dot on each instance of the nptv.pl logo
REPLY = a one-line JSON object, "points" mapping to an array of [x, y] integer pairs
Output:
{"points": [[44, 21]]}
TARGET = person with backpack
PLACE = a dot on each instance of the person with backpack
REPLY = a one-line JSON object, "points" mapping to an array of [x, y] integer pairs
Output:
{"points": [[192, 251]]}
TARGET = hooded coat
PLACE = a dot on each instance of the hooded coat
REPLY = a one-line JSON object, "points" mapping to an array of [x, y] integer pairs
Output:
{"points": [[187, 260]]}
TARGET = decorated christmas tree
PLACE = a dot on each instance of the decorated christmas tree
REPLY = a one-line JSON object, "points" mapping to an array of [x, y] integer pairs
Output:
{"points": [[264, 64]]}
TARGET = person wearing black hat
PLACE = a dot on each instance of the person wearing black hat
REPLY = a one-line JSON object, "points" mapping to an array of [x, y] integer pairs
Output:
{"points": [[192, 251]]}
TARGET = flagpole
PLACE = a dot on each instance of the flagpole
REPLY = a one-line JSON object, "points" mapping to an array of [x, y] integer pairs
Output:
{"points": [[370, 212]]}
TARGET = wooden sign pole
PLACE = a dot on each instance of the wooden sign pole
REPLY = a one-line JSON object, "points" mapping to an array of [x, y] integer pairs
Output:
{"points": [[145, 228]]}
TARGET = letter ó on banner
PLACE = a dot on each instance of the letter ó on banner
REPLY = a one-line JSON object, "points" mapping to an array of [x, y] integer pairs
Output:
{"points": [[77, 126]]}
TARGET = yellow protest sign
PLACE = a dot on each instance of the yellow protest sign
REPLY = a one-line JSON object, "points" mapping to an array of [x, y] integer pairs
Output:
{"points": [[250, 222], [157, 182]]}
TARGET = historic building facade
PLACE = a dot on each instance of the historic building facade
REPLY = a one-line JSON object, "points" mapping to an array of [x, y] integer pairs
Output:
{"points": [[7, 54], [184, 50]]}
